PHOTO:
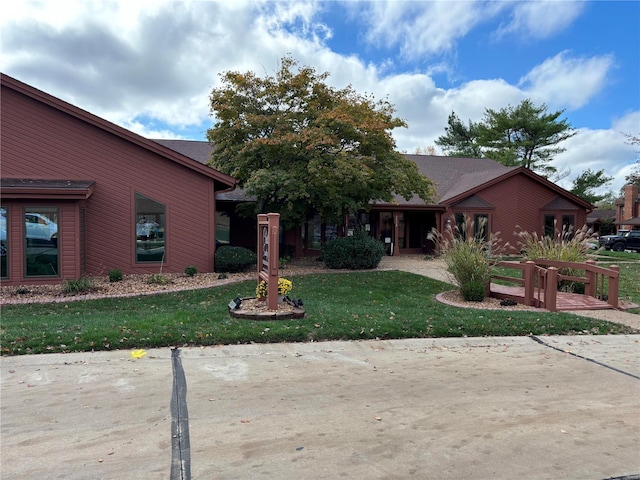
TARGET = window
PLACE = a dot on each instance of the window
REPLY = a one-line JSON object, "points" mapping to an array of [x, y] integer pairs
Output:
{"points": [[41, 241], [549, 225], [4, 248], [314, 233], [150, 230], [460, 230], [223, 228]]}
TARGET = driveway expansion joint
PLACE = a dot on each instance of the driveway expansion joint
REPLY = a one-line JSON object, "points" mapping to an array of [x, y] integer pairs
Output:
{"points": [[541, 342]]}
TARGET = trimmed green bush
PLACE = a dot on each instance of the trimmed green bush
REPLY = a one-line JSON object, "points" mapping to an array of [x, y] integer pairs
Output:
{"points": [[234, 259], [357, 252], [115, 275], [190, 270]]}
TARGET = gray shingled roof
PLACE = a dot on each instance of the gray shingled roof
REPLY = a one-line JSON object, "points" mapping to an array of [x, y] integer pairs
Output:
{"points": [[197, 150], [598, 215], [452, 176]]}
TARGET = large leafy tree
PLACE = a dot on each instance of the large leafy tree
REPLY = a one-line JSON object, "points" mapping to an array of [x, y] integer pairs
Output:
{"points": [[526, 135], [585, 184], [300, 146]]}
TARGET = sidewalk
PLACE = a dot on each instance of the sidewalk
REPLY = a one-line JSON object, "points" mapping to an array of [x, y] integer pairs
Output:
{"points": [[486, 408], [478, 408]]}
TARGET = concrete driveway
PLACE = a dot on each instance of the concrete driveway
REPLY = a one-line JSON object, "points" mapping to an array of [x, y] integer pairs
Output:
{"points": [[474, 408]]}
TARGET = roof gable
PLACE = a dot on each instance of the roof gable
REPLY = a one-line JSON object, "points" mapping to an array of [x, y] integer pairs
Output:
{"points": [[220, 178], [559, 203], [474, 202], [572, 199]]}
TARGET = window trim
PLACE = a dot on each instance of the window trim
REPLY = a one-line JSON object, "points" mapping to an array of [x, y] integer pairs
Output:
{"points": [[23, 228], [162, 225]]}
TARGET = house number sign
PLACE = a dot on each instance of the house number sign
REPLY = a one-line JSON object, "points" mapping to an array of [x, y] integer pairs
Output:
{"points": [[268, 255]]}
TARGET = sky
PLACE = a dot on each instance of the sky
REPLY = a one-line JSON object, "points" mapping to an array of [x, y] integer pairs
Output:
{"points": [[150, 66]]}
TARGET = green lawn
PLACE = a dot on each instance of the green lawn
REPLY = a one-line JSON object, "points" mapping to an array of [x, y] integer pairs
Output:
{"points": [[359, 305]]}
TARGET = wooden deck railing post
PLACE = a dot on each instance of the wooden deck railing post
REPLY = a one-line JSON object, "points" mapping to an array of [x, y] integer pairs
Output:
{"points": [[551, 289], [614, 287], [591, 288], [529, 274]]}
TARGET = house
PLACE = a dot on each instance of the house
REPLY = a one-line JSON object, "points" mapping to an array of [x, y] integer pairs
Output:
{"points": [[487, 192], [80, 195], [601, 221], [627, 214]]}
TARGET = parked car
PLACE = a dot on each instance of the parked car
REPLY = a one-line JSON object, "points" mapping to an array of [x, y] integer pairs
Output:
{"points": [[38, 228], [146, 229], [629, 240]]}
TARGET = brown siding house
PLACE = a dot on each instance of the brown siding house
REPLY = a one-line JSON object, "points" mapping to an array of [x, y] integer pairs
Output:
{"points": [[80, 195], [507, 197]]}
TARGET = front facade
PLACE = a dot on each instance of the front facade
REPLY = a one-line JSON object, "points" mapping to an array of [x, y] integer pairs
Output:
{"points": [[82, 196], [505, 199]]}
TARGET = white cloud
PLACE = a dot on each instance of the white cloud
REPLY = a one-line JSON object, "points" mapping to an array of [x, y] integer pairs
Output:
{"points": [[159, 60], [601, 150], [565, 81], [420, 29], [541, 19]]}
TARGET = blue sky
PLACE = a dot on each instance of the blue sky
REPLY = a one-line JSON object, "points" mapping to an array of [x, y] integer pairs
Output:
{"points": [[149, 66]]}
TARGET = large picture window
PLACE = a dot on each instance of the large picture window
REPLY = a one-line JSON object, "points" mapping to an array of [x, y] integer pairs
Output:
{"points": [[150, 230], [40, 236]]}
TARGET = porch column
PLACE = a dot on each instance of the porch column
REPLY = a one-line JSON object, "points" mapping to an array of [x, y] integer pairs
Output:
{"points": [[394, 238]]}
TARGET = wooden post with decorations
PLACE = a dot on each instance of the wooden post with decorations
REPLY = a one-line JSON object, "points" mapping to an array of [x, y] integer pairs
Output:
{"points": [[268, 255]]}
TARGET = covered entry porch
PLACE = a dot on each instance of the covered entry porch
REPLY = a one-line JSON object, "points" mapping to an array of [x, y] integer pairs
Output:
{"points": [[404, 231]]}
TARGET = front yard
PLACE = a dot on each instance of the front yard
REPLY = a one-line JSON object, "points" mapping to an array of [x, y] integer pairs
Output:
{"points": [[339, 306]]}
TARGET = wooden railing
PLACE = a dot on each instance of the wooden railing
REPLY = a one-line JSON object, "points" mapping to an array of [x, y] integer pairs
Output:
{"points": [[540, 279]]}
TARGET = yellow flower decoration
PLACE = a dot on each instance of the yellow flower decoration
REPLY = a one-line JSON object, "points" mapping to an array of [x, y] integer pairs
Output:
{"points": [[284, 287], [262, 289]]}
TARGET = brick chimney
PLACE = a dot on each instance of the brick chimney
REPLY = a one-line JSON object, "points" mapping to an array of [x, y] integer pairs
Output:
{"points": [[630, 200]]}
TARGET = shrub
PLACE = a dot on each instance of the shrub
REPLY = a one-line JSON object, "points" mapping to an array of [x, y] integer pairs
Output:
{"points": [[468, 258], [284, 261], [190, 270], [357, 252], [564, 246], [157, 279], [80, 285], [474, 291], [234, 259], [115, 275]]}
